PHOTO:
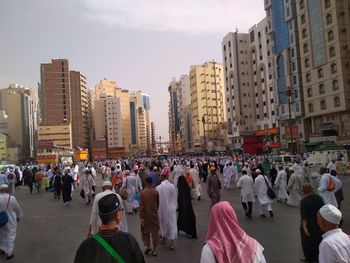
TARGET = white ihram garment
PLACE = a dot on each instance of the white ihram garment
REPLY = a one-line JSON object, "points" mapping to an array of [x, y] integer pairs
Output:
{"points": [[261, 192], [197, 188], [294, 188], [281, 185], [8, 232], [246, 184], [167, 210], [329, 196]]}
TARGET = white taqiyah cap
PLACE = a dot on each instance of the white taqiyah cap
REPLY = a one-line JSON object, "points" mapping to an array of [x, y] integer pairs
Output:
{"points": [[4, 186], [107, 183], [257, 171], [331, 214]]}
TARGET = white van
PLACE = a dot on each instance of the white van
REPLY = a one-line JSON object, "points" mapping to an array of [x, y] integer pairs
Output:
{"points": [[286, 159]]}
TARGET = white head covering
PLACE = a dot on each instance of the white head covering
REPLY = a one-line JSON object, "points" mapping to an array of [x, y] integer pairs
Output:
{"points": [[257, 171], [4, 186], [331, 214], [107, 183]]}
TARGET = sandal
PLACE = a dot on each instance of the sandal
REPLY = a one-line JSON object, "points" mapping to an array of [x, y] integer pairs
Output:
{"points": [[148, 250], [154, 253]]}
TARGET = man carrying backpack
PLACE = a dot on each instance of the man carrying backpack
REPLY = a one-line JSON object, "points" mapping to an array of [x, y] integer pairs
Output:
{"points": [[328, 186]]}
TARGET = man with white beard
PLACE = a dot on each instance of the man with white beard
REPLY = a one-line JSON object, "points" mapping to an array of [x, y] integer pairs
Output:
{"points": [[281, 184], [246, 184], [261, 186], [167, 210]]}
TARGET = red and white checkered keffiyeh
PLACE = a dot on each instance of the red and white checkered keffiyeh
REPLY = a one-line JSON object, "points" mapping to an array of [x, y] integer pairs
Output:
{"points": [[227, 239]]}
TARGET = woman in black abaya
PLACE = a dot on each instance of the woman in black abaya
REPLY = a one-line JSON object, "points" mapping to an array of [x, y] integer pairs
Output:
{"points": [[186, 220]]}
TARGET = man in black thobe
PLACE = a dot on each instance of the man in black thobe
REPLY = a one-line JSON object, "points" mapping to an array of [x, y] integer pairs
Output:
{"points": [[91, 251], [311, 235]]}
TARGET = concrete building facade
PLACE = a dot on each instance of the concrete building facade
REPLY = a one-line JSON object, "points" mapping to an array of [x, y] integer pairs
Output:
{"points": [[208, 105], [325, 60]]}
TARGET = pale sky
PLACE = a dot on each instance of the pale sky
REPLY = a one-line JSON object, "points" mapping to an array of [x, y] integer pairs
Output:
{"points": [[141, 44]]}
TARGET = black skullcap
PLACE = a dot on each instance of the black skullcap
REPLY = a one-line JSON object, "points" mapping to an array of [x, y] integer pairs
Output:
{"points": [[108, 204]]}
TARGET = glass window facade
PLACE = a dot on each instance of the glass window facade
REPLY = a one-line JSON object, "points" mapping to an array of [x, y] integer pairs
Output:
{"points": [[281, 80], [317, 36], [279, 26], [133, 122]]}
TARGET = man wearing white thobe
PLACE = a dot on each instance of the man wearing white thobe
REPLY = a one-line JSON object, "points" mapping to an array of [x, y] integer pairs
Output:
{"points": [[335, 244], [8, 232], [167, 210], [131, 186], [328, 196], [234, 176], [197, 188], [178, 171], [331, 166], [227, 172], [264, 200], [281, 184], [95, 220], [294, 188], [246, 184]]}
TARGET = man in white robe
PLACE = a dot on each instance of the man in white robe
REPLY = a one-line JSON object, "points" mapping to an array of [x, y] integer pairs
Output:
{"points": [[234, 176], [8, 232], [131, 186], [246, 184], [328, 196], [261, 182], [281, 184], [197, 188], [167, 210], [294, 188], [95, 220], [227, 172], [178, 171]]}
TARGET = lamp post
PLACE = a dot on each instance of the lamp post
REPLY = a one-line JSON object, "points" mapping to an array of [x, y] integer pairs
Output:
{"points": [[204, 138], [289, 95]]}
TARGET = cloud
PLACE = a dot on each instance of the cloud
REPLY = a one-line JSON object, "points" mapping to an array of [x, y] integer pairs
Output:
{"points": [[189, 16]]}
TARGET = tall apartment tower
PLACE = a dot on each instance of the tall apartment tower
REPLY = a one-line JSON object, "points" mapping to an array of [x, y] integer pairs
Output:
{"points": [[208, 105], [80, 110], [180, 97], [55, 92], [239, 89], [19, 105], [285, 69], [325, 58], [174, 115]]}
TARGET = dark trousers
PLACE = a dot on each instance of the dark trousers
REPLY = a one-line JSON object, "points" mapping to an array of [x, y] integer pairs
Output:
{"points": [[248, 208]]}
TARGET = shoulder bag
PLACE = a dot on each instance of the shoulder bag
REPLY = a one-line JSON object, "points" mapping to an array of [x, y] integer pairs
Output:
{"points": [[109, 249], [4, 218], [270, 192]]}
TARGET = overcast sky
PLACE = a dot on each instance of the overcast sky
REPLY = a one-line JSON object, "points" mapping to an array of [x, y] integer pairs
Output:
{"points": [[142, 44]]}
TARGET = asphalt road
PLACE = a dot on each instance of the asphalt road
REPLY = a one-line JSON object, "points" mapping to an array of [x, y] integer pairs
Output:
{"points": [[50, 232]]}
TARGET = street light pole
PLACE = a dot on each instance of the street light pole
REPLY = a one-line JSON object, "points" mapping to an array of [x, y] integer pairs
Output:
{"points": [[289, 94], [204, 138]]}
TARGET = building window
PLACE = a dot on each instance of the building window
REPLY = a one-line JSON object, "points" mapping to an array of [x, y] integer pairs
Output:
{"points": [[304, 33], [323, 105], [303, 19], [301, 4], [329, 19], [334, 68], [327, 3], [336, 101], [321, 89], [311, 107], [305, 48], [331, 51], [335, 84], [309, 92], [308, 77], [330, 35], [307, 62], [320, 73]]}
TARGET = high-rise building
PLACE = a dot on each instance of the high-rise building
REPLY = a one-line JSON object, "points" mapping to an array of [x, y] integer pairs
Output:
{"points": [[240, 89], [153, 137], [285, 70], [18, 105], [174, 115], [324, 42], [208, 106], [64, 102], [80, 110], [55, 92]]}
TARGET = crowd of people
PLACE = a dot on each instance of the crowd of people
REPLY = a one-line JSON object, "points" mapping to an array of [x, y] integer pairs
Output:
{"points": [[162, 192]]}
